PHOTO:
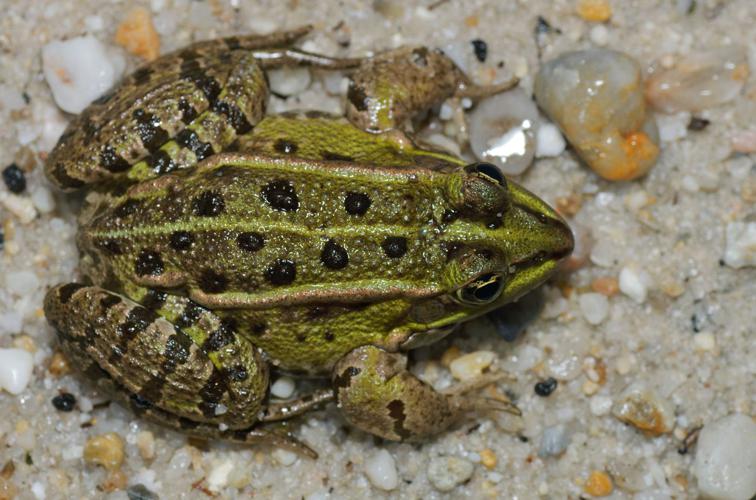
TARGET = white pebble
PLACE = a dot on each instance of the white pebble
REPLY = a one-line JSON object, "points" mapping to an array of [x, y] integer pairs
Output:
{"points": [[283, 387], [289, 81], [603, 253], [600, 405], [284, 457], [11, 99], [218, 477], [549, 141], [21, 282], [20, 206], [94, 23], [554, 441], [471, 365], [380, 469], [43, 200], [599, 35], [725, 462], [38, 490], [72, 452], [634, 284], [689, 183], [445, 473], [11, 322], [15, 370], [704, 341], [740, 244], [673, 127], [594, 307], [78, 71], [221, 409]]}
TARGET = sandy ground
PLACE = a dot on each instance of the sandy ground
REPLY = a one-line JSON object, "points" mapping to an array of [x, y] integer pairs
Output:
{"points": [[688, 342]]}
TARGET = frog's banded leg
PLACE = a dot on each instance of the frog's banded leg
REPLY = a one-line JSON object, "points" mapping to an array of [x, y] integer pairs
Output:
{"points": [[393, 87], [166, 374], [377, 394], [274, 412]]}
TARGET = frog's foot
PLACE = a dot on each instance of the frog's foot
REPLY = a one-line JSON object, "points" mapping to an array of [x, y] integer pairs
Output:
{"points": [[482, 404], [160, 366], [377, 394], [475, 92], [287, 409]]}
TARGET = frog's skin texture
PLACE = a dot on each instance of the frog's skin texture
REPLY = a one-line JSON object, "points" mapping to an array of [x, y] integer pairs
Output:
{"points": [[221, 243]]}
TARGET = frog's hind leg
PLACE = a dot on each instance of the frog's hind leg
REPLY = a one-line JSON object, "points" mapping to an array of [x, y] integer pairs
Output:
{"points": [[377, 394], [274, 412]]}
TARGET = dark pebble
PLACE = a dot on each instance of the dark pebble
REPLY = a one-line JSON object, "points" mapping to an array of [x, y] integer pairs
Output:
{"points": [[697, 124], [140, 492], [512, 319], [14, 178], [481, 49], [546, 387], [64, 402]]}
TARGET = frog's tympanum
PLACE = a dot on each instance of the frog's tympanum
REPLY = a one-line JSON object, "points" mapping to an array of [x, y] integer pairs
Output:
{"points": [[218, 243]]}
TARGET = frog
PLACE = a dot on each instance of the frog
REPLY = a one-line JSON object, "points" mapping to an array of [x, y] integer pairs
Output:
{"points": [[220, 244]]}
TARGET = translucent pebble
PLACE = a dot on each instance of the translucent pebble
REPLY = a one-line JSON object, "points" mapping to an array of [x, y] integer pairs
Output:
{"points": [[283, 387], [549, 141], [445, 473], [218, 477], [15, 370], [289, 81], [645, 410], [744, 141], [699, 81], [21, 282], [594, 307], [740, 244], [634, 284], [503, 129], [471, 365], [78, 71], [380, 469], [554, 441], [596, 99], [725, 464], [10, 322], [43, 200]]}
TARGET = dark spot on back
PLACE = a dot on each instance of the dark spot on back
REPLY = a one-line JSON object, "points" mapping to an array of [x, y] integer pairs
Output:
{"points": [[188, 113], [181, 240], [258, 329], [357, 203], [334, 256], [66, 291], [61, 175], [344, 379], [154, 299], [111, 161], [221, 337], [212, 393], [142, 75], [209, 204], [285, 146], [396, 412], [190, 315], [281, 195], [331, 156], [234, 116], [357, 96], [137, 321], [281, 272], [161, 162], [394, 246], [237, 373], [111, 246], [250, 241], [126, 208], [211, 281], [189, 139], [149, 263], [109, 301], [209, 86]]}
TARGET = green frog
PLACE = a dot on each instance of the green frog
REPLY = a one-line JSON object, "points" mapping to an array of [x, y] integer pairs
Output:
{"points": [[218, 243]]}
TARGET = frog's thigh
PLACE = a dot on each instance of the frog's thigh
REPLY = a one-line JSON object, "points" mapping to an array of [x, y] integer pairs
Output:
{"points": [[377, 394], [156, 362]]}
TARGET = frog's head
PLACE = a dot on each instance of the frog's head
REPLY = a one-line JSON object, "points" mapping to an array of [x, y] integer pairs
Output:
{"points": [[502, 241]]}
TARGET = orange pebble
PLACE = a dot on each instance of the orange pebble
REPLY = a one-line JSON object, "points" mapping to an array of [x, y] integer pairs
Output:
{"points": [[599, 484], [606, 285], [137, 34], [597, 11]]}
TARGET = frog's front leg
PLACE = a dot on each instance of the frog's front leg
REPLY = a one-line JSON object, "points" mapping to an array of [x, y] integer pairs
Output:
{"points": [[162, 372], [377, 394], [391, 88]]}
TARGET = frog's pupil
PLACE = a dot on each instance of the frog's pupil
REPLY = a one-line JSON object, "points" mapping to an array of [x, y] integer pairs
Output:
{"points": [[251, 242], [281, 272], [357, 203]]}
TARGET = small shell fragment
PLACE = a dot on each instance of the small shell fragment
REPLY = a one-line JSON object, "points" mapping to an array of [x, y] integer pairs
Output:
{"points": [[596, 98], [699, 81]]}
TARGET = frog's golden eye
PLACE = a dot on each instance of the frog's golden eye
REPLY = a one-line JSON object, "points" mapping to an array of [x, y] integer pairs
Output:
{"points": [[489, 170], [483, 290]]}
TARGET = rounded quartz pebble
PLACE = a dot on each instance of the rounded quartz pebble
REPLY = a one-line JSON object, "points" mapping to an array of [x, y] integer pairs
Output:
{"points": [[79, 70], [740, 244], [699, 81], [446, 473], [15, 370], [471, 365], [289, 81], [554, 441], [725, 463], [594, 307], [380, 469], [549, 141], [503, 131], [283, 387], [596, 98], [106, 450]]}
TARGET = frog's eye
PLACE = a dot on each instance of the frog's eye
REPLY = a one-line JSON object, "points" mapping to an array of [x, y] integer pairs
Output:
{"points": [[483, 290], [489, 170]]}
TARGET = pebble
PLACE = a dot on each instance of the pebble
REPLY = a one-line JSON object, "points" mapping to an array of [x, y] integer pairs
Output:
{"points": [[11, 99], [512, 319], [106, 450], [596, 99], [549, 141], [14, 179], [11, 322], [503, 131], [64, 402], [380, 469], [605, 285], [645, 410], [599, 484], [544, 388], [137, 34], [599, 35], [704, 341], [743, 141], [43, 200], [488, 458], [140, 492], [289, 81], [725, 462], [594, 306], [21, 283], [218, 477], [699, 81], [597, 11], [446, 473], [634, 283], [554, 441], [145, 442], [283, 387], [600, 405], [79, 70], [740, 244], [16, 367], [471, 365], [20, 206], [284, 457]]}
